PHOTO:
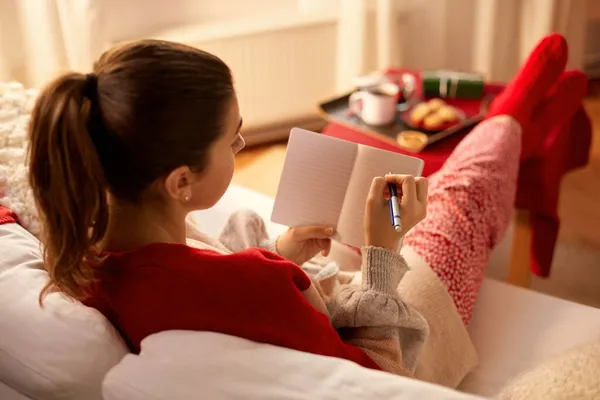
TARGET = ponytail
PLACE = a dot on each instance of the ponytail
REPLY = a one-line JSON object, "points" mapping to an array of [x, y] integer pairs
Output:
{"points": [[68, 182]]}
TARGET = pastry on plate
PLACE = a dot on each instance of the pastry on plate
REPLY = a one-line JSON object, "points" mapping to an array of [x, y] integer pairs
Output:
{"points": [[434, 115], [436, 104], [419, 112], [448, 114], [432, 122]]}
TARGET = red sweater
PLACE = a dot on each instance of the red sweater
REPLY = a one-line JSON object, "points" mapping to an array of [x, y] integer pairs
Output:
{"points": [[253, 294]]}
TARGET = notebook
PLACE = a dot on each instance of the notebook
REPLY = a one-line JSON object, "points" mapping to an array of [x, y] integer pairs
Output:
{"points": [[325, 181]]}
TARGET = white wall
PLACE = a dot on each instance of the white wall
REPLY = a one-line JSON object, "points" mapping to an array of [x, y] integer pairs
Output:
{"points": [[127, 18], [429, 38], [433, 40], [124, 19]]}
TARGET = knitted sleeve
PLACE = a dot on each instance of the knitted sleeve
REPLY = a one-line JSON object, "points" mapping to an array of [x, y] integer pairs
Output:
{"points": [[373, 317]]}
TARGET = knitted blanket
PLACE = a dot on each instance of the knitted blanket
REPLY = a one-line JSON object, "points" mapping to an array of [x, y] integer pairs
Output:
{"points": [[572, 375], [16, 103]]}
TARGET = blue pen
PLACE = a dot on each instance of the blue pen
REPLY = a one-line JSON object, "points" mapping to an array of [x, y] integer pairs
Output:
{"points": [[394, 207]]}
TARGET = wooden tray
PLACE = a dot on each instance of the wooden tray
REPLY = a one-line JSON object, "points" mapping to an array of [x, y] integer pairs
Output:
{"points": [[336, 111]]}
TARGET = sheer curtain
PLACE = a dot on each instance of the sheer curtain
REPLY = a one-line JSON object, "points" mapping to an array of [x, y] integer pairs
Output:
{"points": [[369, 36], [41, 38], [507, 30], [488, 36]]}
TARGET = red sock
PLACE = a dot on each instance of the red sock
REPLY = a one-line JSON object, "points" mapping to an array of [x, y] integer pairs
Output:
{"points": [[538, 74], [561, 102]]}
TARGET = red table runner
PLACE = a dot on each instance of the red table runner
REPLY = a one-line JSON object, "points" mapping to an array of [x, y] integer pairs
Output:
{"points": [[565, 149]]}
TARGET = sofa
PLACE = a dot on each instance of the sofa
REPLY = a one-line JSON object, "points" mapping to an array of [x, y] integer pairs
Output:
{"points": [[69, 351]]}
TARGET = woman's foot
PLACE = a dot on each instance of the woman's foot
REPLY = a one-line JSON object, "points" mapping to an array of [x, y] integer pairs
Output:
{"points": [[560, 104], [533, 97]]}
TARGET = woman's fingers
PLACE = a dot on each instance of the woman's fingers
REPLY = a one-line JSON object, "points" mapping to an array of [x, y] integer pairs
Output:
{"points": [[302, 233], [409, 188], [422, 189], [325, 245], [412, 193], [376, 193], [413, 188], [407, 183]]}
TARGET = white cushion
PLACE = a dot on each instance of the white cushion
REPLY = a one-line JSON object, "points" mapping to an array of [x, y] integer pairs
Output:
{"points": [[237, 197], [60, 352], [179, 365], [514, 329]]}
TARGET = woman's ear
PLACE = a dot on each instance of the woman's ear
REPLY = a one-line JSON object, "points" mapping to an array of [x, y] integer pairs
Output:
{"points": [[178, 184]]}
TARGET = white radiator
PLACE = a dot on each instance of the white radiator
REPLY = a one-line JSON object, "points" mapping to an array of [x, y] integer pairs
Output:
{"points": [[282, 69]]}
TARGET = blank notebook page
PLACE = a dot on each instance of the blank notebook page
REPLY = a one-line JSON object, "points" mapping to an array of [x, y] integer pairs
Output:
{"points": [[314, 179]]}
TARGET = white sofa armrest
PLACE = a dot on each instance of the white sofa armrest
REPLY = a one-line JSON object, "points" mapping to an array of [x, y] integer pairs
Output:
{"points": [[183, 365]]}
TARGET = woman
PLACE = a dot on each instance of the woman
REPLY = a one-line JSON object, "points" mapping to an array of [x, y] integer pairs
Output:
{"points": [[119, 157]]}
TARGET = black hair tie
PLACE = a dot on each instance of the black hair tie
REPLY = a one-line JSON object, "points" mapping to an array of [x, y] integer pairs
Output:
{"points": [[90, 89]]}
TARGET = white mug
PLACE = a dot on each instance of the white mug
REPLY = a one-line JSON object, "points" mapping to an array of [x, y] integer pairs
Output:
{"points": [[376, 105]]}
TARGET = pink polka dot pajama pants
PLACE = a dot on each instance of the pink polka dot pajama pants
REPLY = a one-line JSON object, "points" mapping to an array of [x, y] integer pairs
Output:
{"points": [[470, 203]]}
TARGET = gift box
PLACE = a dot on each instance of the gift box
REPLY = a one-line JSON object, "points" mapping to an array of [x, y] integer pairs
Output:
{"points": [[451, 84]]}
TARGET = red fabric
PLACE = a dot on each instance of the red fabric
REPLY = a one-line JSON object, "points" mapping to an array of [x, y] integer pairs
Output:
{"points": [[529, 87], [252, 294], [7, 216], [566, 148]]}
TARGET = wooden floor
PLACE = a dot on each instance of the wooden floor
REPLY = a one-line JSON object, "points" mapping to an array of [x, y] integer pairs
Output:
{"points": [[580, 193], [259, 168], [579, 208]]}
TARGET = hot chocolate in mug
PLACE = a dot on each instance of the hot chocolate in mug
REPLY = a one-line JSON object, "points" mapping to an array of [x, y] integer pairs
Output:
{"points": [[376, 105]]}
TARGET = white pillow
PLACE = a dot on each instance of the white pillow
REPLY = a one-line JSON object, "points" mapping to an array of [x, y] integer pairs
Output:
{"points": [[60, 352], [181, 365]]}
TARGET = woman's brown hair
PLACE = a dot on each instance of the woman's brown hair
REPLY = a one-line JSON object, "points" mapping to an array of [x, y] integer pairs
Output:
{"points": [[147, 108]]}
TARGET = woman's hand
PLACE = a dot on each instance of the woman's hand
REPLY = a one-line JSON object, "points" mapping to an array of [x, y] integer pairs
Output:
{"points": [[412, 196], [303, 243]]}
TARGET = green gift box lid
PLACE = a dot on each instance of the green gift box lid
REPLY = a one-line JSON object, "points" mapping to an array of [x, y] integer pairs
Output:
{"points": [[461, 85]]}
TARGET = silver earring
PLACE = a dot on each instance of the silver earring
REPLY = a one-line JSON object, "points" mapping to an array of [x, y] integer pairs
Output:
{"points": [[186, 197]]}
